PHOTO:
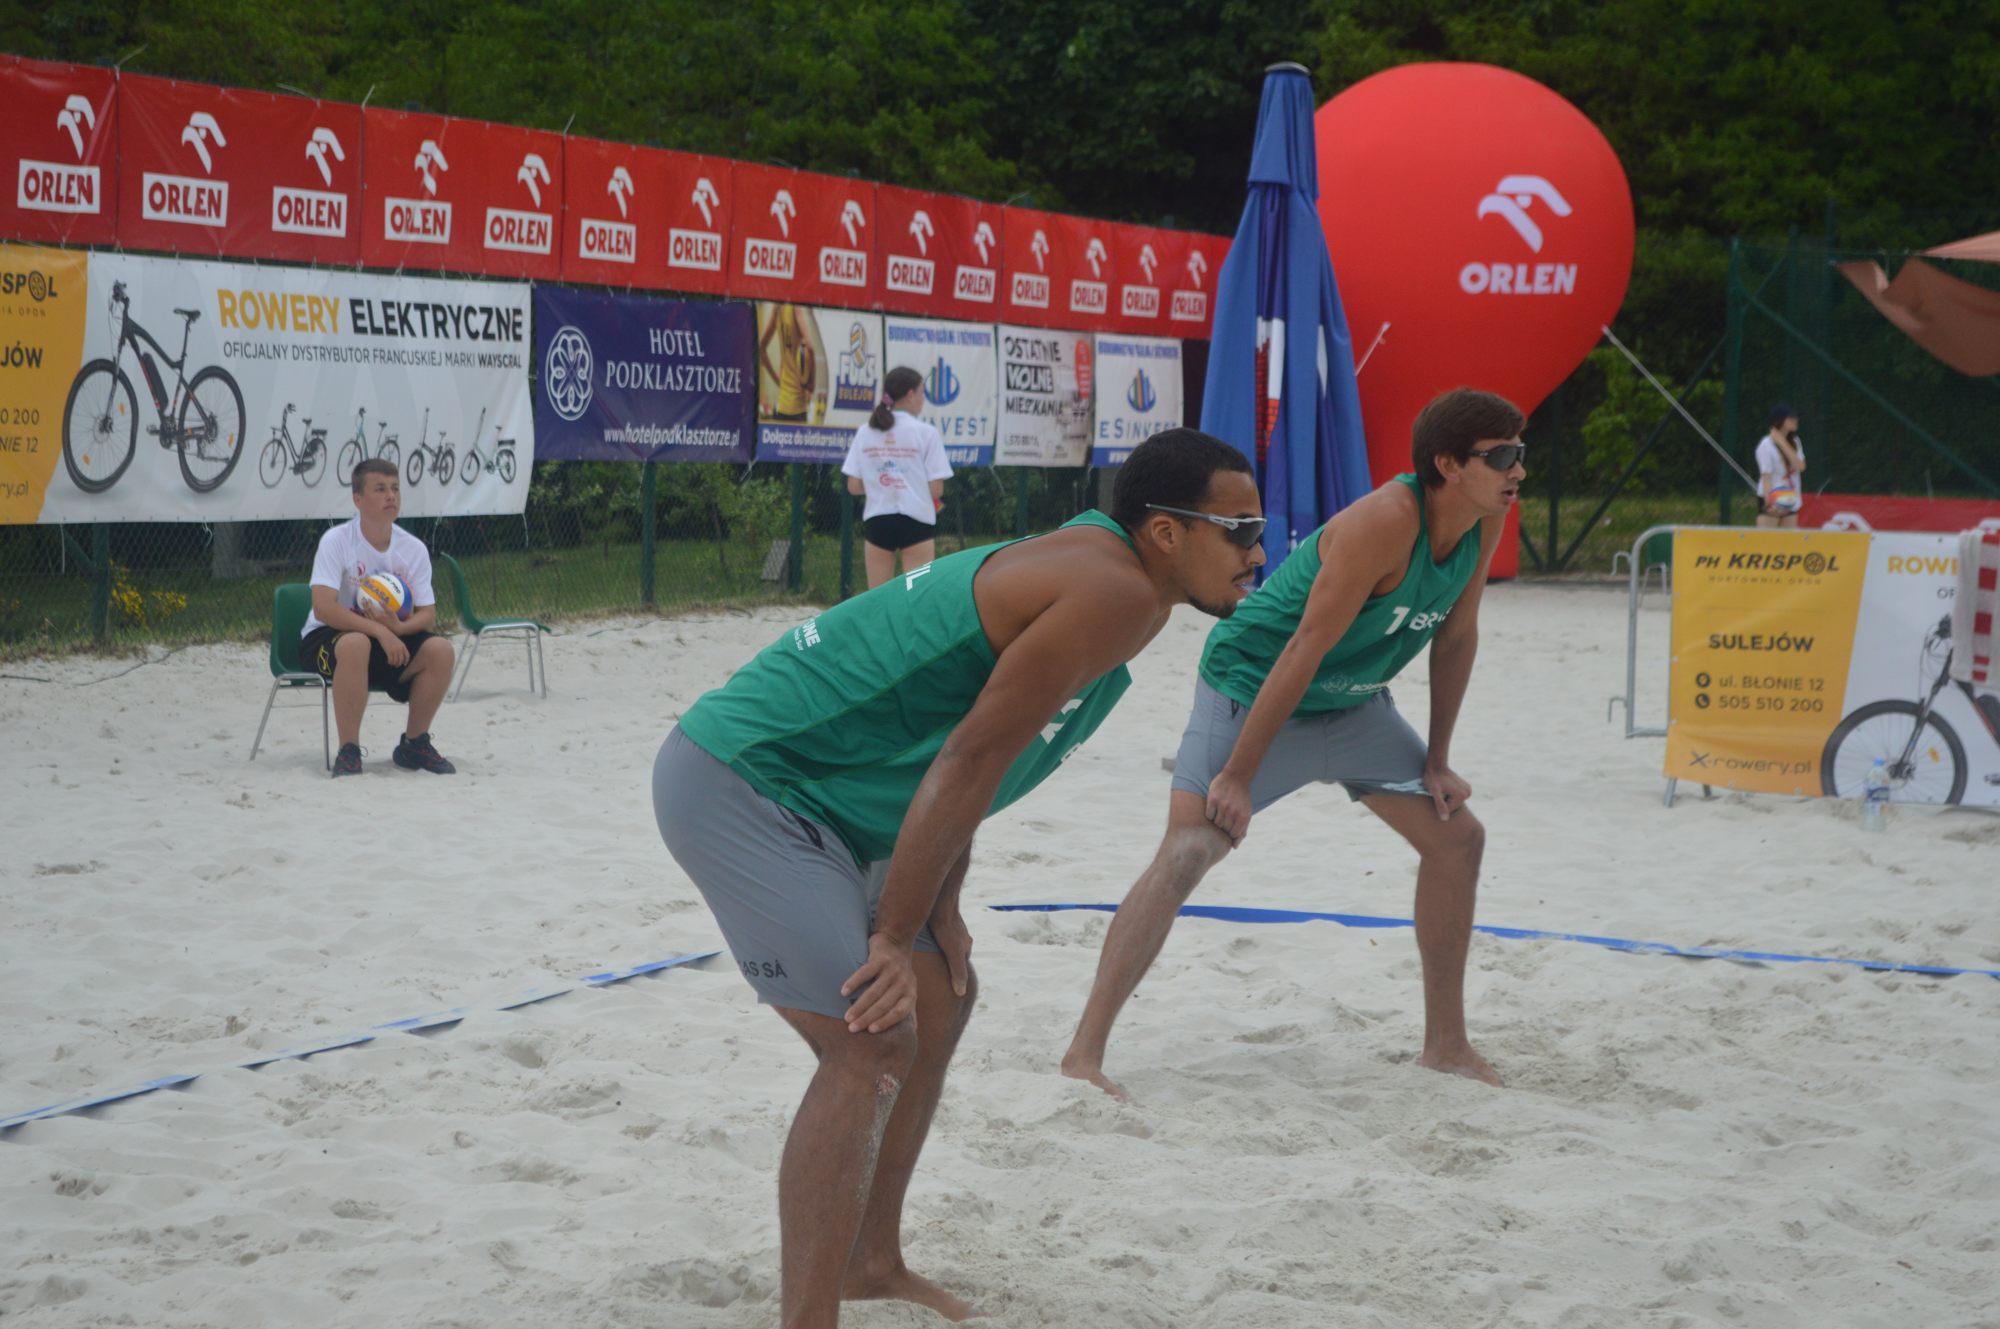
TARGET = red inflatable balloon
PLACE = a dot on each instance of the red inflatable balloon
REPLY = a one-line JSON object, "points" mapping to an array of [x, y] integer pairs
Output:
{"points": [[1487, 222]]}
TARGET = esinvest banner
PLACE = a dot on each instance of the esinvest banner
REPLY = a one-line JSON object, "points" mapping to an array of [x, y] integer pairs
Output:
{"points": [[819, 373], [173, 390], [961, 377], [1800, 657], [623, 378], [1138, 394], [1045, 396]]}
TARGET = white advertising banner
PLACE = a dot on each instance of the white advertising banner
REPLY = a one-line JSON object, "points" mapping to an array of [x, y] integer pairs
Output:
{"points": [[233, 392], [961, 370], [1138, 394], [819, 373], [1045, 381]]}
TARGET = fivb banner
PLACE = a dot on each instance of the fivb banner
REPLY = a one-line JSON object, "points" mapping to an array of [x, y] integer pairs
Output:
{"points": [[1138, 394], [961, 372], [1045, 398], [1800, 658], [160, 390], [819, 374], [624, 378]]}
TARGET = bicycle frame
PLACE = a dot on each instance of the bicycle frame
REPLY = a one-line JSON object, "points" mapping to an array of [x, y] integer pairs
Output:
{"points": [[130, 333], [1941, 636]]}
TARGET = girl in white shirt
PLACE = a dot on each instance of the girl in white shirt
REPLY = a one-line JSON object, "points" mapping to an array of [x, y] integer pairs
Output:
{"points": [[1781, 461], [898, 461]]}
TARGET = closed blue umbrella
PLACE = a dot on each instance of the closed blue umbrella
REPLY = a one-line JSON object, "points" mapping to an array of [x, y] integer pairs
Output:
{"points": [[1280, 380]]}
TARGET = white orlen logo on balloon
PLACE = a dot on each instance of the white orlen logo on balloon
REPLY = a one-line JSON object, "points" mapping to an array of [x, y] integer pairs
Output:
{"points": [[518, 231], [189, 200], [566, 371], [420, 220], [313, 211], [1513, 200], [59, 186], [609, 241]]}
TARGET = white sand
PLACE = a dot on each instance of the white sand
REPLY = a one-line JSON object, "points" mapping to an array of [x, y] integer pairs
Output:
{"points": [[1684, 1143]]}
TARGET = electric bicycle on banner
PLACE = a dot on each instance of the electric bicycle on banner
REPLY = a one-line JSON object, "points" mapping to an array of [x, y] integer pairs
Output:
{"points": [[1917, 746], [440, 461], [283, 454], [355, 450], [502, 461], [202, 417]]}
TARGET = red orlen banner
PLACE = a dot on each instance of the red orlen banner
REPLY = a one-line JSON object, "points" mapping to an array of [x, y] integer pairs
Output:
{"points": [[1034, 276], [1190, 271], [937, 254], [463, 195], [210, 170], [643, 217], [60, 153], [1897, 512], [1089, 302], [802, 237], [1138, 261]]}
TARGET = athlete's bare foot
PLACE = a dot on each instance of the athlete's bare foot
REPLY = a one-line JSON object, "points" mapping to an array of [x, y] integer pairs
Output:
{"points": [[899, 1284], [1078, 1068], [1461, 1061]]}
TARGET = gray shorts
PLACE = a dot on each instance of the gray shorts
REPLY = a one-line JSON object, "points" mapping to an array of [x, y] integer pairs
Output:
{"points": [[1366, 749], [793, 905]]}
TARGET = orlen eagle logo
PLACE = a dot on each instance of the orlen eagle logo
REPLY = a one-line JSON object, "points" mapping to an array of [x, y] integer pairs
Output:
{"points": [[1142, 301], [1510, 201], [915, 276], [422, 221], [701, 249], [60, 186], [609, 241], [522, 232], [1191, 306], [186, 199], [566, 373], [313, 211], [977, 283], [1031, 289], [1091, 297], [847, 267], [777, 260]]}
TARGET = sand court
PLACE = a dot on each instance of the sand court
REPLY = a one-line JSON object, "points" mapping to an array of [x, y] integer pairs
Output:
{"points": [[1682, 1142]]}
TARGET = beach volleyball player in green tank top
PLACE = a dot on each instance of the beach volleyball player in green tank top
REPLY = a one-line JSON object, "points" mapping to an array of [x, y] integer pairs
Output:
{"points": [[1293, 690], [823, 801]]}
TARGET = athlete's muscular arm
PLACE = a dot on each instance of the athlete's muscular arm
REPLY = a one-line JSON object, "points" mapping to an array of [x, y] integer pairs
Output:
{"points": [[1363, 545], [1097, 622], [1452, 652]]}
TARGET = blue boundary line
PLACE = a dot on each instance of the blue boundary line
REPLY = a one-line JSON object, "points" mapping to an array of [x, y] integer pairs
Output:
{"points": [[1233, 914], [411, 1025]]}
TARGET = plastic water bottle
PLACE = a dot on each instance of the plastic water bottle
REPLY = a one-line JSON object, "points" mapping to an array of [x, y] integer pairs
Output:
{"points": [[1875, 797]]}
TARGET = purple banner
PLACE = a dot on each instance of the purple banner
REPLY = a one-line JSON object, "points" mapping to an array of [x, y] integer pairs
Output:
{"points": [[625, 378]]}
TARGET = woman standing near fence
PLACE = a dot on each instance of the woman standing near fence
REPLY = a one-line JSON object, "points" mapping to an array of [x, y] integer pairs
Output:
{"points": [[898, 461], [1781, 464]]}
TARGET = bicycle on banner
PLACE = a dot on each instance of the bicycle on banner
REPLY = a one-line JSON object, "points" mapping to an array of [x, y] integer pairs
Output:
{"points": [[475, 461], [439, 461], [355, 450], [1922, 752], [202, 417], [282, 454]]}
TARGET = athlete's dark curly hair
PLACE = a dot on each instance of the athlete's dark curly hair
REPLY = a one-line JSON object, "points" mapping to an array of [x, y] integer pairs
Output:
{"points": [[1172, 468]]}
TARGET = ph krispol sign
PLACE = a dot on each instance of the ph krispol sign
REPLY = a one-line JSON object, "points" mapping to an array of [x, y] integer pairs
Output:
{"points": [[625, 378]]}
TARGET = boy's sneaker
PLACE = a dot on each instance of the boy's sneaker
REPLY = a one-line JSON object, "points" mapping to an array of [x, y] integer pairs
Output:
{"points": [[348, 761], [417, 754]]}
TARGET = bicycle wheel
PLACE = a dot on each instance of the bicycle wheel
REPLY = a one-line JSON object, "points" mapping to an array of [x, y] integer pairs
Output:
{"points": [[1935, 772], [390, 453], [100, 426], [446, 460], [211, 429], [312, 465], [507, 468], [413, 469], [349, 458], [468, 468], [271, 465]]}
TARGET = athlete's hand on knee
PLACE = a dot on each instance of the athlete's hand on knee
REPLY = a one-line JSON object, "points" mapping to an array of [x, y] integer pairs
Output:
{"points": [[890, 976], [1228, 806], [393, 647], [955, 940], [1448, 792]]}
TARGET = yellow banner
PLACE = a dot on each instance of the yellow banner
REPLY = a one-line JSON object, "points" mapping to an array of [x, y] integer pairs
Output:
{"points": [[1763, 635], [44, 295]]}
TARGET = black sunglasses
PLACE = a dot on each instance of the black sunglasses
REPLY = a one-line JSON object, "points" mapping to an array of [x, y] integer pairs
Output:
{"points": [[1243, 532], [1503, 457]]}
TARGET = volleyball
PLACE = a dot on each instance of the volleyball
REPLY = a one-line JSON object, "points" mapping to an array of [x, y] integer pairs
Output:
{"points": [[386, 591], [1784, 499]]}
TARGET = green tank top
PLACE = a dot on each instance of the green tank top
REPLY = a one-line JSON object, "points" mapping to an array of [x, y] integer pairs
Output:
{"points": [[839, 719], [1386, 635]]}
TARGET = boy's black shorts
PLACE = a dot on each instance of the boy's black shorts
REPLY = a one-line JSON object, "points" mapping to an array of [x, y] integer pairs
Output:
{"points": [[316, 649]]}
